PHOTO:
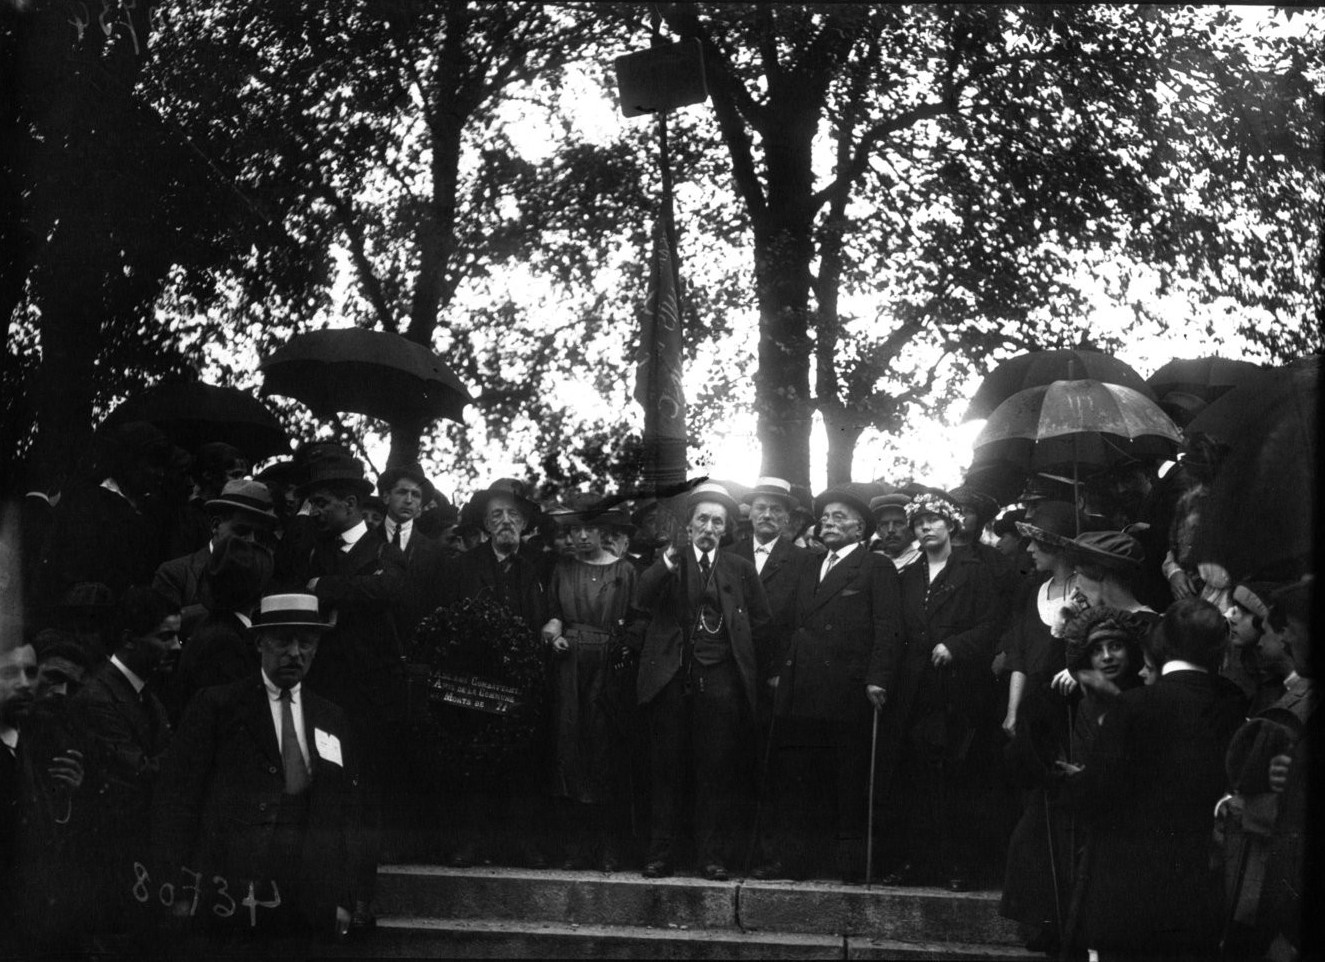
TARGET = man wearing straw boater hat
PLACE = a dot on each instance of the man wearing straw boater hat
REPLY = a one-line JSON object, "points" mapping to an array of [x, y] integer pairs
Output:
{"points": [[700, 667], [357, 577], [259, 787]]}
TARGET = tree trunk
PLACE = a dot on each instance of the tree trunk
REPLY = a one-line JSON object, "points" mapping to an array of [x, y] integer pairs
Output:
{"points": [[842, 438]]}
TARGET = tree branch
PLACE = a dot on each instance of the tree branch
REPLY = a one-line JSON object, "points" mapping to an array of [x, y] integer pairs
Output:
{"points": [[872, 137], [368, 279]]}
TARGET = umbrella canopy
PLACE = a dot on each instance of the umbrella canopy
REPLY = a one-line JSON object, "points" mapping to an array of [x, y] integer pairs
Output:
{"points": [[192, 413], [1044, 367], [1081, 422], [376, 373], [1257, 520], [1206, 378]]}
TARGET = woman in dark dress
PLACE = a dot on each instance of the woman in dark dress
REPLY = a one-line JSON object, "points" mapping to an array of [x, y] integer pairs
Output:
{"points": [[589, 596]]}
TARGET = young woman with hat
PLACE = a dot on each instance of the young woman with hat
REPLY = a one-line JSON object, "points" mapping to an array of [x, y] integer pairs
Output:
{"points": [[588, 598]]}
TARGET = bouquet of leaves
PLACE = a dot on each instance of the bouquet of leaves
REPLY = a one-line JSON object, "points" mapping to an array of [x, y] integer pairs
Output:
{"points": [[480, 639]]}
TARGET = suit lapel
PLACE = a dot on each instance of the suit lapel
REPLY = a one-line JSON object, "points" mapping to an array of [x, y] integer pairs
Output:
{"points": [[776, 559], [841, 575], [257, 718]]}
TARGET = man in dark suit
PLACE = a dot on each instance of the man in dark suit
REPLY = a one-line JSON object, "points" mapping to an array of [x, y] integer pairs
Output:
{"points": [[951, 617], [244, 510], [1149, 785], [838, 668], [357, 576], [703, 656], [125, 729], [40, 772], [259, 790], [405, 489]]}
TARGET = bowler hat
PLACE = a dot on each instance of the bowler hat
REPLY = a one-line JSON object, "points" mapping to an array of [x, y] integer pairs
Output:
{"points": [[336, 470], [253, 498], [392, 475], [1055, 523], [852, 495], [295, 610], [771, 487], [1109, 549]]}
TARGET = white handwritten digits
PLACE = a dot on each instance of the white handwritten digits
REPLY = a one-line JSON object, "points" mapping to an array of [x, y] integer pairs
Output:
{"points": [[193, 887], [140, 889], [223, 892], [251, 902]]}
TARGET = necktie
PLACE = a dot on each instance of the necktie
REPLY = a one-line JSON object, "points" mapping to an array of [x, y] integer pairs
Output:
{"points": [[296, 772], [395, 538], [832, 560], [704, 565], [761, 556]]}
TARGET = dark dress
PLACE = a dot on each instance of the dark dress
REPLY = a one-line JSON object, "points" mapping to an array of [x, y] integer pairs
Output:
{"points": [[591, 702]]}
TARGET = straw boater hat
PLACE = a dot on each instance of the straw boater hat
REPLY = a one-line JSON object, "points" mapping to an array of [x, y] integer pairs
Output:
{"points": [[339, 470], [714, 493], [1055, 524], [772, 488], [1114, 550], [849, 494], [252, 498], [296, 610]]}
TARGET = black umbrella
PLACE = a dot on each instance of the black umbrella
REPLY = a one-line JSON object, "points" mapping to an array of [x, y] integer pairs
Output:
{"points": [[376, 373], [1206, 378], [1256, 520], [1044, 367], [192, 413]]}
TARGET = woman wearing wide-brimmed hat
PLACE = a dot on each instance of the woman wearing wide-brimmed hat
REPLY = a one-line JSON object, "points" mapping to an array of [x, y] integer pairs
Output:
{"points": [[588, 599]]}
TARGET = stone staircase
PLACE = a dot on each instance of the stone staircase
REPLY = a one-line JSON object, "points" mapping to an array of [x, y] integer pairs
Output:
{"points": [[434, 912]]}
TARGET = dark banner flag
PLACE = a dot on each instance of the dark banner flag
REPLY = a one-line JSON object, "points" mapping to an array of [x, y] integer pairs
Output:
{"points": [[658, 385]]}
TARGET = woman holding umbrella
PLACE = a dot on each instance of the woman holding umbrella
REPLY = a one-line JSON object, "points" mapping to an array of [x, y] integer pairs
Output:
{"points": [[589, 596]]}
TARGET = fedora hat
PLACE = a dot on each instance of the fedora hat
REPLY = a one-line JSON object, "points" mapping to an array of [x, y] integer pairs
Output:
{"points": [[295, 610], [849, 494], [772, 488], [713, 493], [477, 506], [413, 471], [1055, 524], [253, 498], [338, 470], [1110, 549]]}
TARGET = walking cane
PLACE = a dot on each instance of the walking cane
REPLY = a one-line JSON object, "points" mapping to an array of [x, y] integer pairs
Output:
{"points": [[869, 818], [763, 790], [1053, 864]]}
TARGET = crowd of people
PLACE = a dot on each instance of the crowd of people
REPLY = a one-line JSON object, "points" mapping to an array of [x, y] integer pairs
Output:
{"points": [[205, 698]]}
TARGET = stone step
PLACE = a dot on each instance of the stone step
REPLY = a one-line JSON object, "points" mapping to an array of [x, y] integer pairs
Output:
{"points": [[406, 937], [914, 915]]}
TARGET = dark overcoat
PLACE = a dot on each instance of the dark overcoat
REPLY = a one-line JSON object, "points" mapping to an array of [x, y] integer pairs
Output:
{"points": [[1148, 789], [960, 610], [217, 799], [745, 613], [848, 635], [787, 564], [359, 663]]}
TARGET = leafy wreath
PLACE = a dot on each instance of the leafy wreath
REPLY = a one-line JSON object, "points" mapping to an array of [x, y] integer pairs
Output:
{"points": [[478, 636]]}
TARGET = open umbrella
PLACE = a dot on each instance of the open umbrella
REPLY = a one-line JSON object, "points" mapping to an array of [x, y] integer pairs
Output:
{"points": [[1076, 423], [1039, 368], [1257, 519], [377, 373], [1206, 378], [192, 413]]}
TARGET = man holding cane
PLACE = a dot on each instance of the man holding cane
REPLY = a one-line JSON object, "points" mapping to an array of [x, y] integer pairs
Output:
{"points": [[832, 679]]}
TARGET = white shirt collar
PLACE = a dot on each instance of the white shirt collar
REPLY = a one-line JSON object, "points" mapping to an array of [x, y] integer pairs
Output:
{"points": [[350, 538], [713, 555], [9, 737], [110, 484], [39, 494], [274, 690], [773, 543], [244, 619], [391, 525], [846, 550], [138, 683], [1177, 664]]}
